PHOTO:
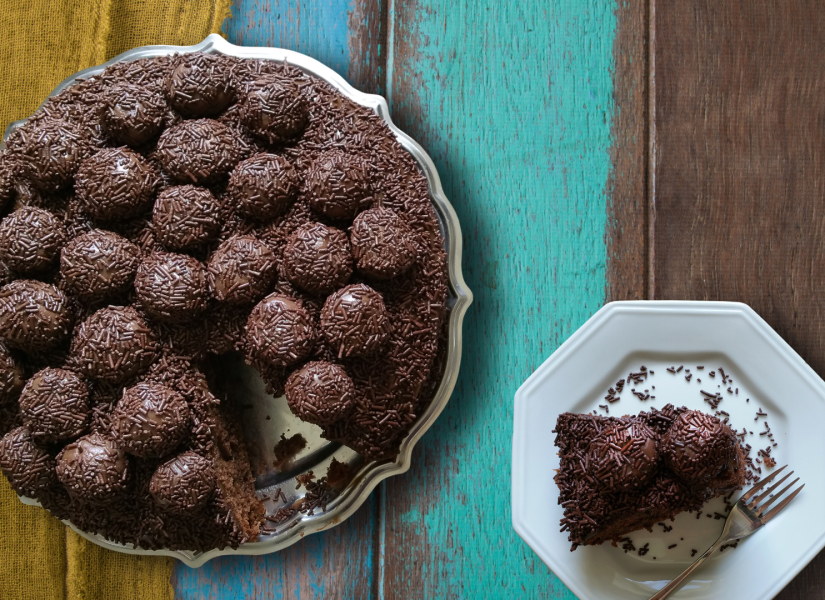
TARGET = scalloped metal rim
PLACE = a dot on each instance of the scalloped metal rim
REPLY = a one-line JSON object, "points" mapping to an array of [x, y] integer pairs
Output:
{"points": [[461, 297]]}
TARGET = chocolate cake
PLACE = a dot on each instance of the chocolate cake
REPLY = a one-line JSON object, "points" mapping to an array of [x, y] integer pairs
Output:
{"points": [[618, 475], [169, 211]]}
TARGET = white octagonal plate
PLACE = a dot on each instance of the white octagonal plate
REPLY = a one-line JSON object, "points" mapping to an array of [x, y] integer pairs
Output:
{"points": [[766, 373]]}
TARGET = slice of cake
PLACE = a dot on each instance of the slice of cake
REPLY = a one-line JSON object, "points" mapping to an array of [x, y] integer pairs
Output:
{"points": [[618, 475]]}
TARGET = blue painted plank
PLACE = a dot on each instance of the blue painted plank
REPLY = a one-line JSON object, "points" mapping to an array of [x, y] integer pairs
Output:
{"points": [[514, 103], [338, 563], [318, 29]]}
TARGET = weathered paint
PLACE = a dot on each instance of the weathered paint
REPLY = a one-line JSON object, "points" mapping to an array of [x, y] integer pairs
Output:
{"points": [[338, 563], [316, 28], [514, 103], [513, 100]]}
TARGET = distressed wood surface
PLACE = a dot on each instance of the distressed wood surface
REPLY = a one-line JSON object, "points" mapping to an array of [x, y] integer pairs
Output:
{"points": [[739, 150], [586, 164], [514, 103]]}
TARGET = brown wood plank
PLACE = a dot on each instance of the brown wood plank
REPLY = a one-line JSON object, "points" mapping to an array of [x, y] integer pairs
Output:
{"points": [[738, 146], [627, 214]]}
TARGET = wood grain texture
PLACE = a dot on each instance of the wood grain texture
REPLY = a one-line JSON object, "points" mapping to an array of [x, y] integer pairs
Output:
{"points": [[514, 103], [738, 153], [338, 563], [627, 214]]}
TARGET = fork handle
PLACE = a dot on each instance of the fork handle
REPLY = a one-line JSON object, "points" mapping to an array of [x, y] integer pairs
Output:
{"points": [[674, 585]]}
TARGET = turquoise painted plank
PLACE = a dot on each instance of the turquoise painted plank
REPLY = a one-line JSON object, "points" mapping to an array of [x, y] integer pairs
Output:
{"points": [[335, 564], [513, 100], [319, 29]]}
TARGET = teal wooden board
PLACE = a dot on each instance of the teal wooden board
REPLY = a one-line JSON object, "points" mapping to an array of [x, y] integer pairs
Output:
{"points": [[514, 102]]}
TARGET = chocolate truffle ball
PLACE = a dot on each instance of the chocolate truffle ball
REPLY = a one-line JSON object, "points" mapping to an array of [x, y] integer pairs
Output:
{"points": [[116, 183], [382, 244], [186, 216], [29, 468], [355, 321], [274, 110], [30, 240], [317, 258], [34, 316], [624, 456], [279, 331], [320, 393], [698, 447], [199, 85], [184, 483], [12, 378], [199, 152], [132, 115], [171, 287], [263, 186], [52, 151], [94, 468], [113, 345], [98, 265], [241, 270], [338, 185], [55, 405], [150, 420]]}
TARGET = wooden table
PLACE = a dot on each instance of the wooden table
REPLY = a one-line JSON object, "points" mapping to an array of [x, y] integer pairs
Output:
{"points": [[594, 150]]}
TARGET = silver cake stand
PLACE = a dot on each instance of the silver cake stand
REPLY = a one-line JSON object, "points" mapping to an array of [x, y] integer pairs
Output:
{"points": [[267, 418]]}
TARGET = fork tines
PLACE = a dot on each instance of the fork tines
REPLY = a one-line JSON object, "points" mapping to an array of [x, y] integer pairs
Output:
{"points": [[760, 512]]}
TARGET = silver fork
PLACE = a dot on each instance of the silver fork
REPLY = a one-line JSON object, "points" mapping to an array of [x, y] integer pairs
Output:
{"points": [[744, 519]]}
